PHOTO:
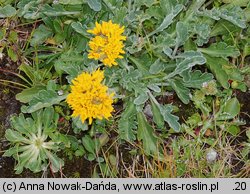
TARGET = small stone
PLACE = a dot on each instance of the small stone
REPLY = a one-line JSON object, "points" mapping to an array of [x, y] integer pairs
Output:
{"points": [[60, 92], [1, 55], [167, 94], [211, 156], [7, 65], [148, 111], [204, 84]]}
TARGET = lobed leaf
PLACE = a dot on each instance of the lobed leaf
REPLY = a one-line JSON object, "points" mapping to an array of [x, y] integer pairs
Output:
{"points": [[157, 116], [230, 110], [7, 11], [220, 49], [45, 98], [15, 136], [27, 94], [168, 19], [182, 33], [127, 124], [172, 120], [182, 92], [96, 5], [191, 58], [141, 99], [41, 34], [79, 28], [195, 79], [157, 67], [146, 135]]}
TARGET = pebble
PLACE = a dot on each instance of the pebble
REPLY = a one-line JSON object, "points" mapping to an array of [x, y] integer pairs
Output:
{"points": [[211, 156], [148, 110]]}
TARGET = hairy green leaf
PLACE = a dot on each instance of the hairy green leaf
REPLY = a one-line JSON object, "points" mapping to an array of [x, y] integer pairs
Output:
{"points": [[241, 3], [230, 110], [157, 116], [172, 120], [141, 99], [15, 136], [71, 2], [191, 58], [27, 94], [232, 14], [78, 125], [7, 11], [41, 34], [157, 67], [223, 70], [182, 33], [148, 3], [196, 78], [221, 49], [44, 98], [216, 66], [168, 19], [182, 92], [56, 162], [203, 33], [89, 144], [127, 124], [146, 135], [79, 28], [233, 130], [154, 87], [96, 5], [56, 11]]}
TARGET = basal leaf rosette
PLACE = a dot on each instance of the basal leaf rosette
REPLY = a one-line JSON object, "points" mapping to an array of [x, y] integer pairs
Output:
{"points": [[89, 98], [107, 44], [31, 142]]}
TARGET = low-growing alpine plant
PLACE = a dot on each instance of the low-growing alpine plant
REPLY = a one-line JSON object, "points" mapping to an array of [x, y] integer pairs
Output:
{"points": [[114, 61], [32, 141]]}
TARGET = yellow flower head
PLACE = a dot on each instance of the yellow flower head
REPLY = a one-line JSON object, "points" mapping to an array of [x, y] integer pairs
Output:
{"points": [[89, 98], [107, 45]]}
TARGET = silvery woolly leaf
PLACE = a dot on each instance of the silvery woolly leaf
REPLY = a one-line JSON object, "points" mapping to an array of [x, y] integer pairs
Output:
{"points": [[195, 79], [96, 5], [127, 123], [182, 33], [171, 119], [181, 90], [191, 58], [45, 98], [220, 49], [146, 135], [157, 67], [7, 11], [168, 19]]}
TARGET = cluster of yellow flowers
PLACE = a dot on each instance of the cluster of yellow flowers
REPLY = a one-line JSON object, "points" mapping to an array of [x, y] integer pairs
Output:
{"points": [[89, 98], [107, 44]]}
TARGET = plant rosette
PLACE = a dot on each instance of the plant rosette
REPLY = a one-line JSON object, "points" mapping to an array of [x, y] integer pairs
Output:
{"points": [[30, 141]]}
